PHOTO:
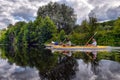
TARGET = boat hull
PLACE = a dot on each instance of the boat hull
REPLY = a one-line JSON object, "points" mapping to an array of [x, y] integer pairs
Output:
{"points": [[78, 48]]}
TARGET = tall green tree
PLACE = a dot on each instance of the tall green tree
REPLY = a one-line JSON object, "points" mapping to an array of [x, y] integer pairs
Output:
{"points": [[62, 35], [62, 15], [92, 25], [18, 32], [117, 26], [48, 29], [116, 31], [84, 26]]}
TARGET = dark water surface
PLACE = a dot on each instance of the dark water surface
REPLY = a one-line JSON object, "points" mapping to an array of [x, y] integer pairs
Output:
{"points": [[37, 63]]}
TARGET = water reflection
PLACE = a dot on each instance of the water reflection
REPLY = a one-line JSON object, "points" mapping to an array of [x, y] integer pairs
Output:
{"points": [[64, 70], [50, 66], [14, 72], [98, 65], [22, 62], [92, 56]]}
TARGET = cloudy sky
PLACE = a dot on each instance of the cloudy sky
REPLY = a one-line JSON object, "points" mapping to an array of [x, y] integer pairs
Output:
{"points": [[12, 11]]}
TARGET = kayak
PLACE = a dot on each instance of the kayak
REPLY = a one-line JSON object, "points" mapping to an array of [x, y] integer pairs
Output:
{"points": [[77, 48]]}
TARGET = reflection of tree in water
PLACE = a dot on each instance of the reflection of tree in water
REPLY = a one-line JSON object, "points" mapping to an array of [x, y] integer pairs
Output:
{"points": [[29, 56], [65, 70], [89, 57], [45, 61], [94, 67], [92, 57]]}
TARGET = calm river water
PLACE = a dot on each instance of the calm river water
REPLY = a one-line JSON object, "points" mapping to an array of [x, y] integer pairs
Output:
{"points": [[37, 63]]}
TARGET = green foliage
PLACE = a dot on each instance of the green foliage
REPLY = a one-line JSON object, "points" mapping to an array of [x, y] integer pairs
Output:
{"points": [[77, 38], [107, 32], [54, 22], [3, 37], [108, 23], [48, 29], [83, 28], [85, 31], [117, 26], [105, 38], [92, 25], [63, 16], [37, 32], [62, 35]]}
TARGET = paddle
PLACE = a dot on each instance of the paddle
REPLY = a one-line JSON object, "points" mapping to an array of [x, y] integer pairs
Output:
{"points": [[90, 38]]}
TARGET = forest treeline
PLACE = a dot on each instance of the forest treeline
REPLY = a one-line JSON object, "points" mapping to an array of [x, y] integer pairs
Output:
{"points": [[56, 22]]}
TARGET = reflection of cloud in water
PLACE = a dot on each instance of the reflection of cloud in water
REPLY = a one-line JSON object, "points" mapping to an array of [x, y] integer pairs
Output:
{"points": [[13, 72], [106, 70], [84, 72], [109, 70]]}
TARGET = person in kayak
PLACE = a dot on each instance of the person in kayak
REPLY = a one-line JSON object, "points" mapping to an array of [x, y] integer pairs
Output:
{"points": [[94, 43], [68, 42], [55, 43]]}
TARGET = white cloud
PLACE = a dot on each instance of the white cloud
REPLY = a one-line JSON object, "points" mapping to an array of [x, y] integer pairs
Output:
{"points": [[105, 9], [81, 7], [104, 2], [13, 10], [16, 10]]}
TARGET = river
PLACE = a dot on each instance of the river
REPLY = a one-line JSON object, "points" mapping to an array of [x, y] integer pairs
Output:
{"points": [[38, 63]]}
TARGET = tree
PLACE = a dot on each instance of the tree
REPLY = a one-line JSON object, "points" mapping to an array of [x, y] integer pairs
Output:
{"points": [[62, 35], [63, 16], [85, 26], [3, 37], [117, 26], [20, 37], [18, 32], [116, 31], [48, 29], [92, 24]]}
